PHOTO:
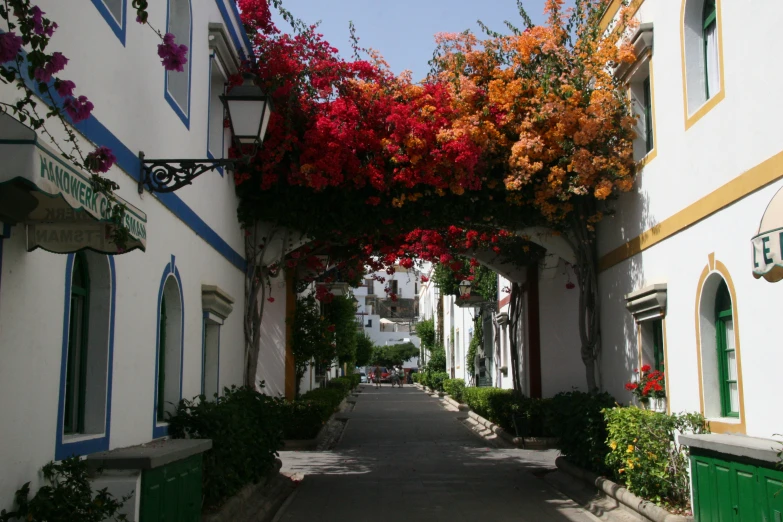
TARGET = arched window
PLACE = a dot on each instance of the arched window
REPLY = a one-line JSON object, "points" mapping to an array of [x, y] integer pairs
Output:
{"points": [[168, 364], [726, 353], [78, 334], [88, 339], [113, 11], [709, 25], [180, 24]]}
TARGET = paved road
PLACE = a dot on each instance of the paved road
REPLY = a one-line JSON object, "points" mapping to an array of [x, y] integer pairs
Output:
{"points": [[403, 457]]}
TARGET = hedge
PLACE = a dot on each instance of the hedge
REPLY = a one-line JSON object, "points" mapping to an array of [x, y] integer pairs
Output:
{"points": [[494, 404], [454, 387]]}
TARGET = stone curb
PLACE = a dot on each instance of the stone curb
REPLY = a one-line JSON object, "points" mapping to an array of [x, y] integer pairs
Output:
{"points": [[646, 509]]}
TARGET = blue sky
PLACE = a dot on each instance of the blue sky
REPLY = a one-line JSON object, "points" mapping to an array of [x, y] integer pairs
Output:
{"points": [[403, 30]]}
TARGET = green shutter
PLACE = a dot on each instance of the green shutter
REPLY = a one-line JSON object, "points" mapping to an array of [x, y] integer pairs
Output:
{"points": [[162, 361], [76, 363], [658, 357], [771, 483], [724, 327], [709, 17]]}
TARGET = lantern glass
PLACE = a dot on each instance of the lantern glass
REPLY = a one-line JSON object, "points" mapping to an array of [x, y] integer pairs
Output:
{"points": [[248, 110], [464, 288]]}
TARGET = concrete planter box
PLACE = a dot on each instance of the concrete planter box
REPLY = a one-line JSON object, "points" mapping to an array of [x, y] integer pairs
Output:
{"points": [[256, 502], [644, 509]]}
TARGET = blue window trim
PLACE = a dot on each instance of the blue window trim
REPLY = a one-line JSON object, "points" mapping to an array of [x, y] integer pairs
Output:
{"points": [[118, 29], [185, 117], [62, 448], [212, 58], [171, 270], [128, 161], [221, 4], [204, 354]]}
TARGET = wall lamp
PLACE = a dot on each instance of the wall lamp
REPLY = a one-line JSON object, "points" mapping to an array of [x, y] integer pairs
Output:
{"points": [[248, 108]]}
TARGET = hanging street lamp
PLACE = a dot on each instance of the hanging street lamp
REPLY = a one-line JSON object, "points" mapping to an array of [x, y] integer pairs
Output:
{"points": [[464, 289], [248, 108]]}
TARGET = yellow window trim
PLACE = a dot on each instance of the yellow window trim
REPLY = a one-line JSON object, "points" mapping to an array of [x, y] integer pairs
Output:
{"points": [[718, 425], [691, 119], [611, 12], [747, 183]]}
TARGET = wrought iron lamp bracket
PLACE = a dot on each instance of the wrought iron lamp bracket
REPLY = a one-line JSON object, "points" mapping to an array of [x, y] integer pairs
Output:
{"points": [[168, 175]]}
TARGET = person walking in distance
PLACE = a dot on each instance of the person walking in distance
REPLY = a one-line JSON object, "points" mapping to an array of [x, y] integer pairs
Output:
{"points": [[377, 376]]}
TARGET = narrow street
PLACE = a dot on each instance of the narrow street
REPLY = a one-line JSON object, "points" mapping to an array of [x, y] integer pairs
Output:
{"points": [[404, 457]]}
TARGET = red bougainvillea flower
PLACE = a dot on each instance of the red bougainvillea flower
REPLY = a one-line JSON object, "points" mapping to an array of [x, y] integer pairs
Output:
{"points": [[100, 160], [646, 368], [79, 109], [271, 299]]}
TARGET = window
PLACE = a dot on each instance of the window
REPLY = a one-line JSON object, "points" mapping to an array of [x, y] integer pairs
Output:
{"points": [[210, 378], [711, 56], [216, 142], [113, 11], [701, 54], [658, 357], [178, 82], [719, 351], [641, 100], [727, 354], [76, 367], [370, 286], [168, 364], [393, 286], [88, 342]]}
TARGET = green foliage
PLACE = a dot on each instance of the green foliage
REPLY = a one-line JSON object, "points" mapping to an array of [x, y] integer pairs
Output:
{"points": [[454, 387], [437, 360], [310, 338], [303, 419], [330, 397], [66, 498], [245, 427], [435, 380], [484, 283], [494, 404], [356, 379], [364, 350], [576, 419], [416, 376], [475, 343], [393, 355], [341, 314], [344, 384], [425, 329], [644, 455]]}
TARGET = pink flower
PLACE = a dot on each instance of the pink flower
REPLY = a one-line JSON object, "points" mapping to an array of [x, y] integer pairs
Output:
{"points": [[10, 45], [100, 160], [37, 17], [55, 64], [271, 299], [64, 87], [78, 109], [173, 56]]}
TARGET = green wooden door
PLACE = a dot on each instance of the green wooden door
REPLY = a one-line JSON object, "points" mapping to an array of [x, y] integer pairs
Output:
{"points": [[172, 493], [771, 483]]}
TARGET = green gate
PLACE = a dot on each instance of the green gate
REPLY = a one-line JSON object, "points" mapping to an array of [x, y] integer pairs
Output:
{"points": [[172, 493], [726, 491]]}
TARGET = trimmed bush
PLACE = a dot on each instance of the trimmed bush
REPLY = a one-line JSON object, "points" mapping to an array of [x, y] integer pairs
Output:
{"points": [[416, 377], [494, 404], [454, 387], [436, 380], [345, 384], [356, 379], [644, 456], [245, 428], [303, 419], [576, 419], [329, 397]]}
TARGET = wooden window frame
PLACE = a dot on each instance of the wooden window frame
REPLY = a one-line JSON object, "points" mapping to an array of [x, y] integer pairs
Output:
{"points": [[721, 317], [79, 356]]}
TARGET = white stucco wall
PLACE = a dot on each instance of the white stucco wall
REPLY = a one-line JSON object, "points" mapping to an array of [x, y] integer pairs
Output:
{"points": [[126, 85], [692, 160]]}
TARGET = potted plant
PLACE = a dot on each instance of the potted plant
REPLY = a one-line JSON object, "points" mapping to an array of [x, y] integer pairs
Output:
{"points": [[650, 388]]}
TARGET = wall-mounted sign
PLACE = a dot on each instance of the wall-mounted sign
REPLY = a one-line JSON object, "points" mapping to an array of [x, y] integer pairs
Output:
{"points": [[62, 212], [767, 244]]}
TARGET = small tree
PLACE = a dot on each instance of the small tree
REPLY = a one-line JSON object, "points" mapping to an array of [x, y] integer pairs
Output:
{"points": [[364, 350]]}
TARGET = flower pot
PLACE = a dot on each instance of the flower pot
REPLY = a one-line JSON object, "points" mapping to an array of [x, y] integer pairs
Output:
{"points": [[654, 404]]}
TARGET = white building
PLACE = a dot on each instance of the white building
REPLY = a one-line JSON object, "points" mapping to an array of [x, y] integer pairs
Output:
{"points": [[389, 321], [681, 262], [97, 346]]}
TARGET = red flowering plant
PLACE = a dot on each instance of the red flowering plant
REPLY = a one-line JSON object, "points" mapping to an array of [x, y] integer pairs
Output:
{"points": [[650, 384]]}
